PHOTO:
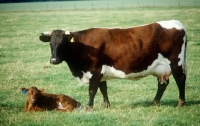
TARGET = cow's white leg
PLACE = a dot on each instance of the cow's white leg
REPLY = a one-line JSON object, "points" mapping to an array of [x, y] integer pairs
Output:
{"points": [[160, 91], [103, 89]]}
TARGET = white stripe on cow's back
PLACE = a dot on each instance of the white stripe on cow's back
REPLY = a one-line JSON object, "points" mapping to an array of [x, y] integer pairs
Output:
{"points": [[172, 24]]}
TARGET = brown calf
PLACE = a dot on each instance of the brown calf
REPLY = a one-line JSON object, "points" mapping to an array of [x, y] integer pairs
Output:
{"points": [[40, 101]]}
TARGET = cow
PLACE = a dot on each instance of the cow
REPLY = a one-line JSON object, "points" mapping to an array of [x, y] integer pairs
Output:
{"points": [[40, 101], [95, 55]]}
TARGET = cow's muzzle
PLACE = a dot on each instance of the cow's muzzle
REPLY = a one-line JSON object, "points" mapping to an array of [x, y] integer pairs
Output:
{"points": [[55, 61]]}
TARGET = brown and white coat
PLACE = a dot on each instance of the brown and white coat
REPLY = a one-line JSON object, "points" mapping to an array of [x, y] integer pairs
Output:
{"points": [[97, 54]]}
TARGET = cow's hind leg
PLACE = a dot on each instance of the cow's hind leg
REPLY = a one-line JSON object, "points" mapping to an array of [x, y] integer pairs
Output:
{"points": [[160, 91], [180, 79], [103, 89]]}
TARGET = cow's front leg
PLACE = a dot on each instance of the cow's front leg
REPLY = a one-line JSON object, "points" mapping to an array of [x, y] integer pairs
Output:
{"points": [[93, 86], [103, 89], [160, 91]]}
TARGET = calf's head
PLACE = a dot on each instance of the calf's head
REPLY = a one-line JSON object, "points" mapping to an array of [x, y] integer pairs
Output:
{"points": [[58, 40], [33, 93]]}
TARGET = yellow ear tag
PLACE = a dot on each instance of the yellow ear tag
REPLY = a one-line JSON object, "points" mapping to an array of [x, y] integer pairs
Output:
{"points": [[72, 39]]}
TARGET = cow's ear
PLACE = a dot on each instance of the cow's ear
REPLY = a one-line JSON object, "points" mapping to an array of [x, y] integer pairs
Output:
{"points": [[42, 90], [45, 38], [70, 38], [24, 90]]}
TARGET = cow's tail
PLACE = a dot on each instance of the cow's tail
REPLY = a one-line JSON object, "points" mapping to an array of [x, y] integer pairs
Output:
{"points": [[185, 56]]}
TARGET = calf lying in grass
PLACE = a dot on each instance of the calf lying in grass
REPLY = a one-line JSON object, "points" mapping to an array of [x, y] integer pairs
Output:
{"points": [[40, 101]]}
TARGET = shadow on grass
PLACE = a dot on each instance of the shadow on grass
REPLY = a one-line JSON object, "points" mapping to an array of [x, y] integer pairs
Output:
{"points": [[171, 103], [11, 106], [190, 103]]}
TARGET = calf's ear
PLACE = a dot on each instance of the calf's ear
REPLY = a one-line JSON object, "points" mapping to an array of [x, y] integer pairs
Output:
{"points": [[42, 90], [44, 38], [24, 90]]}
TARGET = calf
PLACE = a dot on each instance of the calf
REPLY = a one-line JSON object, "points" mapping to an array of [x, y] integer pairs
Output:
{"points": [[40, 101]]}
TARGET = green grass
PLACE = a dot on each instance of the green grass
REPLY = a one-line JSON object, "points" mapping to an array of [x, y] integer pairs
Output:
{"points": [[23, 59]]}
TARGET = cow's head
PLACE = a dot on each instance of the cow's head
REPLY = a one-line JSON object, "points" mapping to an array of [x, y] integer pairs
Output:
{"points": [[57, 39], [33, 93]]}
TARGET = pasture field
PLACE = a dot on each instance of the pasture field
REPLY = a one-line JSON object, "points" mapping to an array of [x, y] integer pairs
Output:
{"points": [[24, 62]]}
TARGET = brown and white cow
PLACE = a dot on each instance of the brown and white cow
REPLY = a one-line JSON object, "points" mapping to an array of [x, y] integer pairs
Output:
{"points": [[40, 101], [98, 54]]}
